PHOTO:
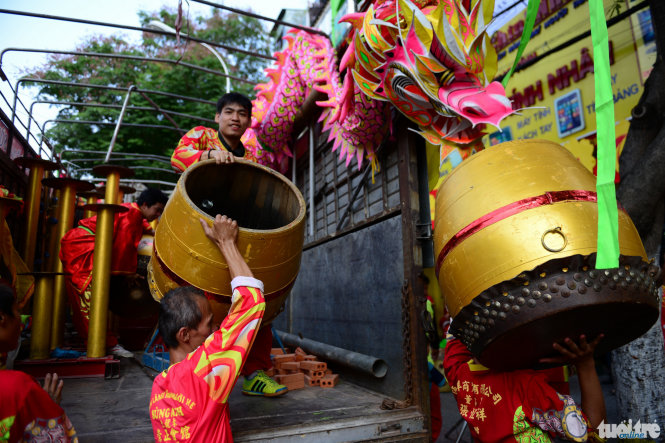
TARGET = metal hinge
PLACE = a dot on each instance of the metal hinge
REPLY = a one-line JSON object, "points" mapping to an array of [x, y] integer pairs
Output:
{"points": [[424, 231]]}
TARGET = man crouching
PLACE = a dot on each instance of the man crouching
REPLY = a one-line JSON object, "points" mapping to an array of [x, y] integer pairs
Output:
{"points": [[189, 399]]}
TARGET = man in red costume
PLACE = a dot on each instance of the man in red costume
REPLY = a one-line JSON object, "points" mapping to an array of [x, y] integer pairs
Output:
{"points": [[522, 405], [234, 112], [27, 412], [189, 400], [77, 251]]}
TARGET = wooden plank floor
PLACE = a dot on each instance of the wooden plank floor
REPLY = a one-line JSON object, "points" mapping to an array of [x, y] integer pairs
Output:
{"points": [[117, 410]]}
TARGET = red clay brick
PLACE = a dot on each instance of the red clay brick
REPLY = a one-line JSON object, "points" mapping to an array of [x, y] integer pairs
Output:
{"points": [[313, 365], [314, 374], [329, 381], [278, 359], [270, 372], [309, 381], [300, 351], [293, 366], [328, 371], [310, 357], [300, 357], [291, 381], [276, 351]]}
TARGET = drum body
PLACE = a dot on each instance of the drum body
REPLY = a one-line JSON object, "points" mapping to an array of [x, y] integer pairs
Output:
{"points": [[515, 238], [270, 212]]}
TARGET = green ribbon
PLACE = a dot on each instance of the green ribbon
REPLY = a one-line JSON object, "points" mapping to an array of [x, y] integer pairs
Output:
{"points": [[529, 21], [608, 217]]}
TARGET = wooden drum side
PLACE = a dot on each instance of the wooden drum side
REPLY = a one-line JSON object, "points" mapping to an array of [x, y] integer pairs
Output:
{"points": [[270, 212]]}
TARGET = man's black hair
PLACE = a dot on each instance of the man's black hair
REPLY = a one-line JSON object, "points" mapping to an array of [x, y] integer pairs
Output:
{"points": [[177, 309], [151, 196], [7, 300], [234, 98]]}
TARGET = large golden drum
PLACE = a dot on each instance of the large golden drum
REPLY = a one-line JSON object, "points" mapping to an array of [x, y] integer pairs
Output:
{"points": [[270, 212], [515, 241]]}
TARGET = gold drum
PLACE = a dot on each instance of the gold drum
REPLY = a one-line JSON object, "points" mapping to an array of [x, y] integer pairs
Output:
{"points": [[515, 241], [270, 212]]}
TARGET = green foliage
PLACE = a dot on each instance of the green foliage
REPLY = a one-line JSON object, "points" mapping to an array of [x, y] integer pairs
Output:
{"points": [[228, 29]]}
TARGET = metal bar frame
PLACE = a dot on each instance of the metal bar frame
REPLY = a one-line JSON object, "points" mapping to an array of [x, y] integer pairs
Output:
{"points": [[119, 122], [127, 57], [133, 28], [262, 17]]}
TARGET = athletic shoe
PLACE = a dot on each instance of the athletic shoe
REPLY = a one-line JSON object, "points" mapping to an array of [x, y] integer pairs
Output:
{"points": [[119, 351], [263, 385]]}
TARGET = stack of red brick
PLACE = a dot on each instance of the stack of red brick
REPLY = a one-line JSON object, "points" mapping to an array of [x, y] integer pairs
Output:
{"points": [[298, 369]]}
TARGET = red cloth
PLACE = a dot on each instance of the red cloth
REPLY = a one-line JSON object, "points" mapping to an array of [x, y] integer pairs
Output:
{"points": [[510, 406], [259, 354], [27, 413], [78, 245], [195, 142], [189, 399]]}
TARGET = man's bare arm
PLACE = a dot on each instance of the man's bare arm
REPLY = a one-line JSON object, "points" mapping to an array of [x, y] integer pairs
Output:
{"points": [[224, 233]]}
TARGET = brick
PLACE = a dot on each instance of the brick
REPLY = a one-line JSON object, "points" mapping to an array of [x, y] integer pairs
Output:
{"points": [[328, 371], [270, 372], [313, 365], [277, 351], [314, 374], [280, 371], [292, 366], [310, 357], [289, 378], [329, 381], [291, 381], [300, 351], [278, 359], [309, 381], [300, 357]]}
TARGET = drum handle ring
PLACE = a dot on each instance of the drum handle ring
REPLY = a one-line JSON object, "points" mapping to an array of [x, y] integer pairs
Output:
{"points": [[556, 230]]}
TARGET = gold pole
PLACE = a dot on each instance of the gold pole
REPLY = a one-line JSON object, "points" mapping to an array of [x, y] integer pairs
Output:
{"points": [[112, 187], [88, 213], [66, 207], [37, 168], [52, 229], [101, 280], [101, 260], [41, 316]]}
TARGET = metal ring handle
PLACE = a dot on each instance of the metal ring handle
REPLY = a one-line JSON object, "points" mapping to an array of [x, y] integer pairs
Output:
{"points": [[556, 230]]}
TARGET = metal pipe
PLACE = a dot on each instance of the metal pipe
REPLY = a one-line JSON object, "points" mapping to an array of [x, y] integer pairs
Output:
{"points": [[164, 27], [311, 180], [368, 364], [133, 181], [127, 57], [99, 159], [119, 123], [101, 277], [41, 316], [32, 215], [158, 109], [124, 154], [66, 207], [101, 123], [149, 168], [108, 88], [132, 28], [131, 108], [262, 17]]}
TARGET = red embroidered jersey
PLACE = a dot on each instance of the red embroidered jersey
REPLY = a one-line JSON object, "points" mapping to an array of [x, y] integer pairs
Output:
{"points": [[194, 143], [189, 399], [515, 406], [28, 414], [77, 245]]}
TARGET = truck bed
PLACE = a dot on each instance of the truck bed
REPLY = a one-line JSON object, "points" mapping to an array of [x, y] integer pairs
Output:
{"points": [[116, 410]]}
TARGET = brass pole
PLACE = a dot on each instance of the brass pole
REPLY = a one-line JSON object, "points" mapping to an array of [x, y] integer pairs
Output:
{"points": [[41, 316], [32, 200], [101, 260], [112, 188], [88, 213], [101, 280], [66, 206], [52, 229]]}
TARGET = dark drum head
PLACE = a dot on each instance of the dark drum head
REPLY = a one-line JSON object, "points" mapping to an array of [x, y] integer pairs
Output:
{"points": [[252, 196], [514, 324]]}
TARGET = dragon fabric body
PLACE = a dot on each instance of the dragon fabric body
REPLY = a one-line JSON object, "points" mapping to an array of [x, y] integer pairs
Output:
{"points": [[432, 60]]}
